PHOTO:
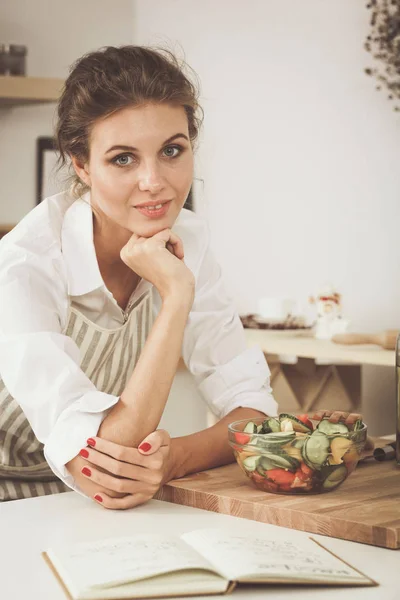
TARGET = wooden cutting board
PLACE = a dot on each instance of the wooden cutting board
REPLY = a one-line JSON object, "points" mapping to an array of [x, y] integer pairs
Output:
{"points": [[366, 507]]}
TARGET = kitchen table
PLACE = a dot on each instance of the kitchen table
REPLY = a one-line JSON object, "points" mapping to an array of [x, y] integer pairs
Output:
{"points": [[29, 527]]}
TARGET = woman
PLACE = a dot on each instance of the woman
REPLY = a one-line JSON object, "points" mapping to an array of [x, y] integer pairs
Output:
{"points": [[85, 372]]}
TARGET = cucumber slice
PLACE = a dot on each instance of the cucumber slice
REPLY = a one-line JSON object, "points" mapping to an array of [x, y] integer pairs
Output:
{"points": [[358, 425], [253, 441], [329, 428], [298, 442], [335, 476], [282, 461], [296, 423], [265, 428], [279, 438], [358, 435], [259, 428], [315, 450], [250, 463], [250, 427], [264, 464], [271, 425]]}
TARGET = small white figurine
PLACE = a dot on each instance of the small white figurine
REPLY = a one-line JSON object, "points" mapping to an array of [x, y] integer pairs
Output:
{"points": [[329, 314]]}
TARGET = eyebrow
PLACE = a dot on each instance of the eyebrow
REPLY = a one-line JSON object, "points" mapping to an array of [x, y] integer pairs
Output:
{"points": [[132, 148]]}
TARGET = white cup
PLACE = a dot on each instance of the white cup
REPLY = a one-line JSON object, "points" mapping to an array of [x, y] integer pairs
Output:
{"points": [[275, 310]]}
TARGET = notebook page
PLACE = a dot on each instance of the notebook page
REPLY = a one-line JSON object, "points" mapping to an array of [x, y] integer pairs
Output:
{"points": [[105, 563], [243, 558]]}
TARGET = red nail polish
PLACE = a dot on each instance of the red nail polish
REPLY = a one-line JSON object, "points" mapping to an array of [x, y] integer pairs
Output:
{"points": [[90, 442], [145, 447], [86, 471], [84, 453], [98, 498]]}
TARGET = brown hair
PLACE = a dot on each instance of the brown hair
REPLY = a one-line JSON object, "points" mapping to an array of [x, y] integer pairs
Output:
{"points": [[103, 82]]}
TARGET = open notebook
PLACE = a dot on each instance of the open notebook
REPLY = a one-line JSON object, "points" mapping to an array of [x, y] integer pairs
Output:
{"points": [[200, 562]]}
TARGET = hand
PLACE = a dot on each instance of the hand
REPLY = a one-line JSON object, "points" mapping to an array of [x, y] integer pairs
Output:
{"points": [[347, 418], [159, 259], [336, 416], [136, 473]]}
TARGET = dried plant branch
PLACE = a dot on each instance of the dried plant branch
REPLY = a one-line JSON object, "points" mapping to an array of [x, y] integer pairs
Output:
{"points": [[383, 43]]}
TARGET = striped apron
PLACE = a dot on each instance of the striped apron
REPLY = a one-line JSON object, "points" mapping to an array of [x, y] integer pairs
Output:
{"points": [[108, 357]]}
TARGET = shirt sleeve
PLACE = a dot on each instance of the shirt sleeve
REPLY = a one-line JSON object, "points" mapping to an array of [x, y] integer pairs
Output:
{"points": [[228, 374], [40, 366]]}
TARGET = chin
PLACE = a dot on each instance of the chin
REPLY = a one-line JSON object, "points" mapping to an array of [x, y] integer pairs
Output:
{"points": [[151, 227]]}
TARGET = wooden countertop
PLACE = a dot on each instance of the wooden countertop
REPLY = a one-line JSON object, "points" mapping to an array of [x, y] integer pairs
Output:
{"points": [[303, 344], [365, 508]]}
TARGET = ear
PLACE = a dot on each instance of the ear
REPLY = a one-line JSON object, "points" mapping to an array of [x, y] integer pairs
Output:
{"points": [[81, 170]]}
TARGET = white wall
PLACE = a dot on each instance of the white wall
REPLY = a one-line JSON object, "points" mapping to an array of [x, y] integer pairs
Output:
{"points": [[300, 155], [57, 32]]}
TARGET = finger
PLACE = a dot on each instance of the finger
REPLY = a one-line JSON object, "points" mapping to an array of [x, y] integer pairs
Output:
{"points": [[175, 242], [117, 451], [352, 418], [177, 246], [116, 467], [154, 441], [115, 484], [132, 240], [338, 415], [128, 455], [321, 414], [129, 501]]}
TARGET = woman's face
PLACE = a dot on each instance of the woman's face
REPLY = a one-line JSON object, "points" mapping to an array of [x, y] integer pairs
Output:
{"points": [[141, 167]]}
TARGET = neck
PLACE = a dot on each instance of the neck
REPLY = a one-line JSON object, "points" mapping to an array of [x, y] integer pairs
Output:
{"points": [[109, 239]]}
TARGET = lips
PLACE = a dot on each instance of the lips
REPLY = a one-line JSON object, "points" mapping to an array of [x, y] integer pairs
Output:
{"points": [[154, 210], [154, 204]]}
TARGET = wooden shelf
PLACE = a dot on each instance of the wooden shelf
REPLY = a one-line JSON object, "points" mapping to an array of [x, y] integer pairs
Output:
{"points": [[4, 229], [303, 344], [16, 91]]}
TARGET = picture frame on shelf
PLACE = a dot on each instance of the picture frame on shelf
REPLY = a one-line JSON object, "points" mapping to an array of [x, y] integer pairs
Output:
{"points": [[49, 180]]}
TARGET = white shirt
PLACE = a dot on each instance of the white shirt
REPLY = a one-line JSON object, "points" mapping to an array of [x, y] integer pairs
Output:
{"points": [[48, 259]]}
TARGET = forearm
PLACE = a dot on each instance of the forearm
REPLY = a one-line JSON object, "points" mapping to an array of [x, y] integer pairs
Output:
{"points": [[206, 449], [141, 405]]}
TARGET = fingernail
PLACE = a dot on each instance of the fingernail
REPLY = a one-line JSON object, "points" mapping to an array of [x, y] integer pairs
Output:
{"points": [[86, 471], [84, 453], [90, 442], [145, 447], [98, 498]]}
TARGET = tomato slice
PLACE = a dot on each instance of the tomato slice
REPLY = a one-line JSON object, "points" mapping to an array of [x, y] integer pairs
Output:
{"points": [[242, 438], [257, 477], [285, 488], [270, 486], [280, 476], [306, 470], [301, 475], [304, 419]]}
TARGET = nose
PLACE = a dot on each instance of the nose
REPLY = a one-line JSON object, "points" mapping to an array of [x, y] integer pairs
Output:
{"points": [[150, 179]]}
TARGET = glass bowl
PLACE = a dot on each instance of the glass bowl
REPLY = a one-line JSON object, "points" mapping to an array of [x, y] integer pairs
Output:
{"points": [[299, 456]]}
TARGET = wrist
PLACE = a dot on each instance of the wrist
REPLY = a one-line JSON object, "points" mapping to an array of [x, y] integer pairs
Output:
{"points": [[178, 301], [176, 461]]}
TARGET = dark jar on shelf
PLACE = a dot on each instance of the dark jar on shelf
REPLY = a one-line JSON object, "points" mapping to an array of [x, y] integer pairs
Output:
{"points": [[12, 59]]}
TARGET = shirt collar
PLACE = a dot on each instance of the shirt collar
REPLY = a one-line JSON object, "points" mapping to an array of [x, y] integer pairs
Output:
{"points": [[78, 248]]}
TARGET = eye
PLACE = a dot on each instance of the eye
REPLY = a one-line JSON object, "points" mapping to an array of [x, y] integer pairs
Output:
{"points": [[122, 160], [172, 151]]}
